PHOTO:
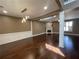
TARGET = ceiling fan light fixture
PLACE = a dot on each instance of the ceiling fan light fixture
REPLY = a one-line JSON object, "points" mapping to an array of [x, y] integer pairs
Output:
{"points": [[24, 10], [27, 17], [23, 20]]}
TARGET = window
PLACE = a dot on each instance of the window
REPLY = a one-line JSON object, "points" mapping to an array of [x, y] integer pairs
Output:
{"points": [[68, 26], [68, 1], [65, 0]]}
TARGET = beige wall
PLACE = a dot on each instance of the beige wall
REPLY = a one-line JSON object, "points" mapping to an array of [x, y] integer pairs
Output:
{"points": [[38, 27], [13, 24], [55, 26], [11, 29]]}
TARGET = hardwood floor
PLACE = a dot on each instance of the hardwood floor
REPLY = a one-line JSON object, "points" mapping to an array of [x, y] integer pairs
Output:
{"points": [[34, 48]]}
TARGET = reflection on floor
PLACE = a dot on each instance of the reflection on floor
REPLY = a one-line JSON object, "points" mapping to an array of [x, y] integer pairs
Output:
{"points": [[54, 49], [71, 46], [68, 42], [41, 47]]}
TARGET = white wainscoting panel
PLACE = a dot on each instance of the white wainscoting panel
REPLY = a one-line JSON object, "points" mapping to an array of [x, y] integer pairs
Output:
{"points": [[11, 37]]}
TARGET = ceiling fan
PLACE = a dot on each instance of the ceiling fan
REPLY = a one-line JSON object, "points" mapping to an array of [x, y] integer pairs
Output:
{"points": [[25, 17]]}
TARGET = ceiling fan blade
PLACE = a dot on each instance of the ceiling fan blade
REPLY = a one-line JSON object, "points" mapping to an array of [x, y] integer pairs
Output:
{"points": [[24, 10]]}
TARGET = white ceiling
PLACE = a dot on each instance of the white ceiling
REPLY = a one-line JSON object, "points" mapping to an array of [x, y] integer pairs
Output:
{"points": [[34, 7]]}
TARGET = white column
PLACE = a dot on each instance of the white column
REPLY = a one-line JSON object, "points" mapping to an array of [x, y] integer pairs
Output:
{"points": [[61, 29]]}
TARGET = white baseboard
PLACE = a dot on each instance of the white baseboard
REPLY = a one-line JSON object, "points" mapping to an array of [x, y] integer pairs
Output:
{"points": [[72, 34], [52, 32], [64, 33], [39, 34]]}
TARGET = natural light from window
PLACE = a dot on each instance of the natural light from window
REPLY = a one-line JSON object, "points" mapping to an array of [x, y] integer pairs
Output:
{"points": [[68, 26], [68, 1]]}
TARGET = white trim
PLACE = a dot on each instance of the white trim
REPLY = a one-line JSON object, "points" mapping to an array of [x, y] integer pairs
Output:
{"points": [[64, 33], [72, 34], [39, 34]]}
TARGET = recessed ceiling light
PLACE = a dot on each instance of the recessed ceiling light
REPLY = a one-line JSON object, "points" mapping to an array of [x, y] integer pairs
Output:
{"points": [[27, 17], [4, 11], [45, 8]]}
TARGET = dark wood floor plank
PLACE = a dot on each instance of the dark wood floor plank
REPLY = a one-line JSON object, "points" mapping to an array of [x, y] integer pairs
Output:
{"points": [[34, 48]]}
